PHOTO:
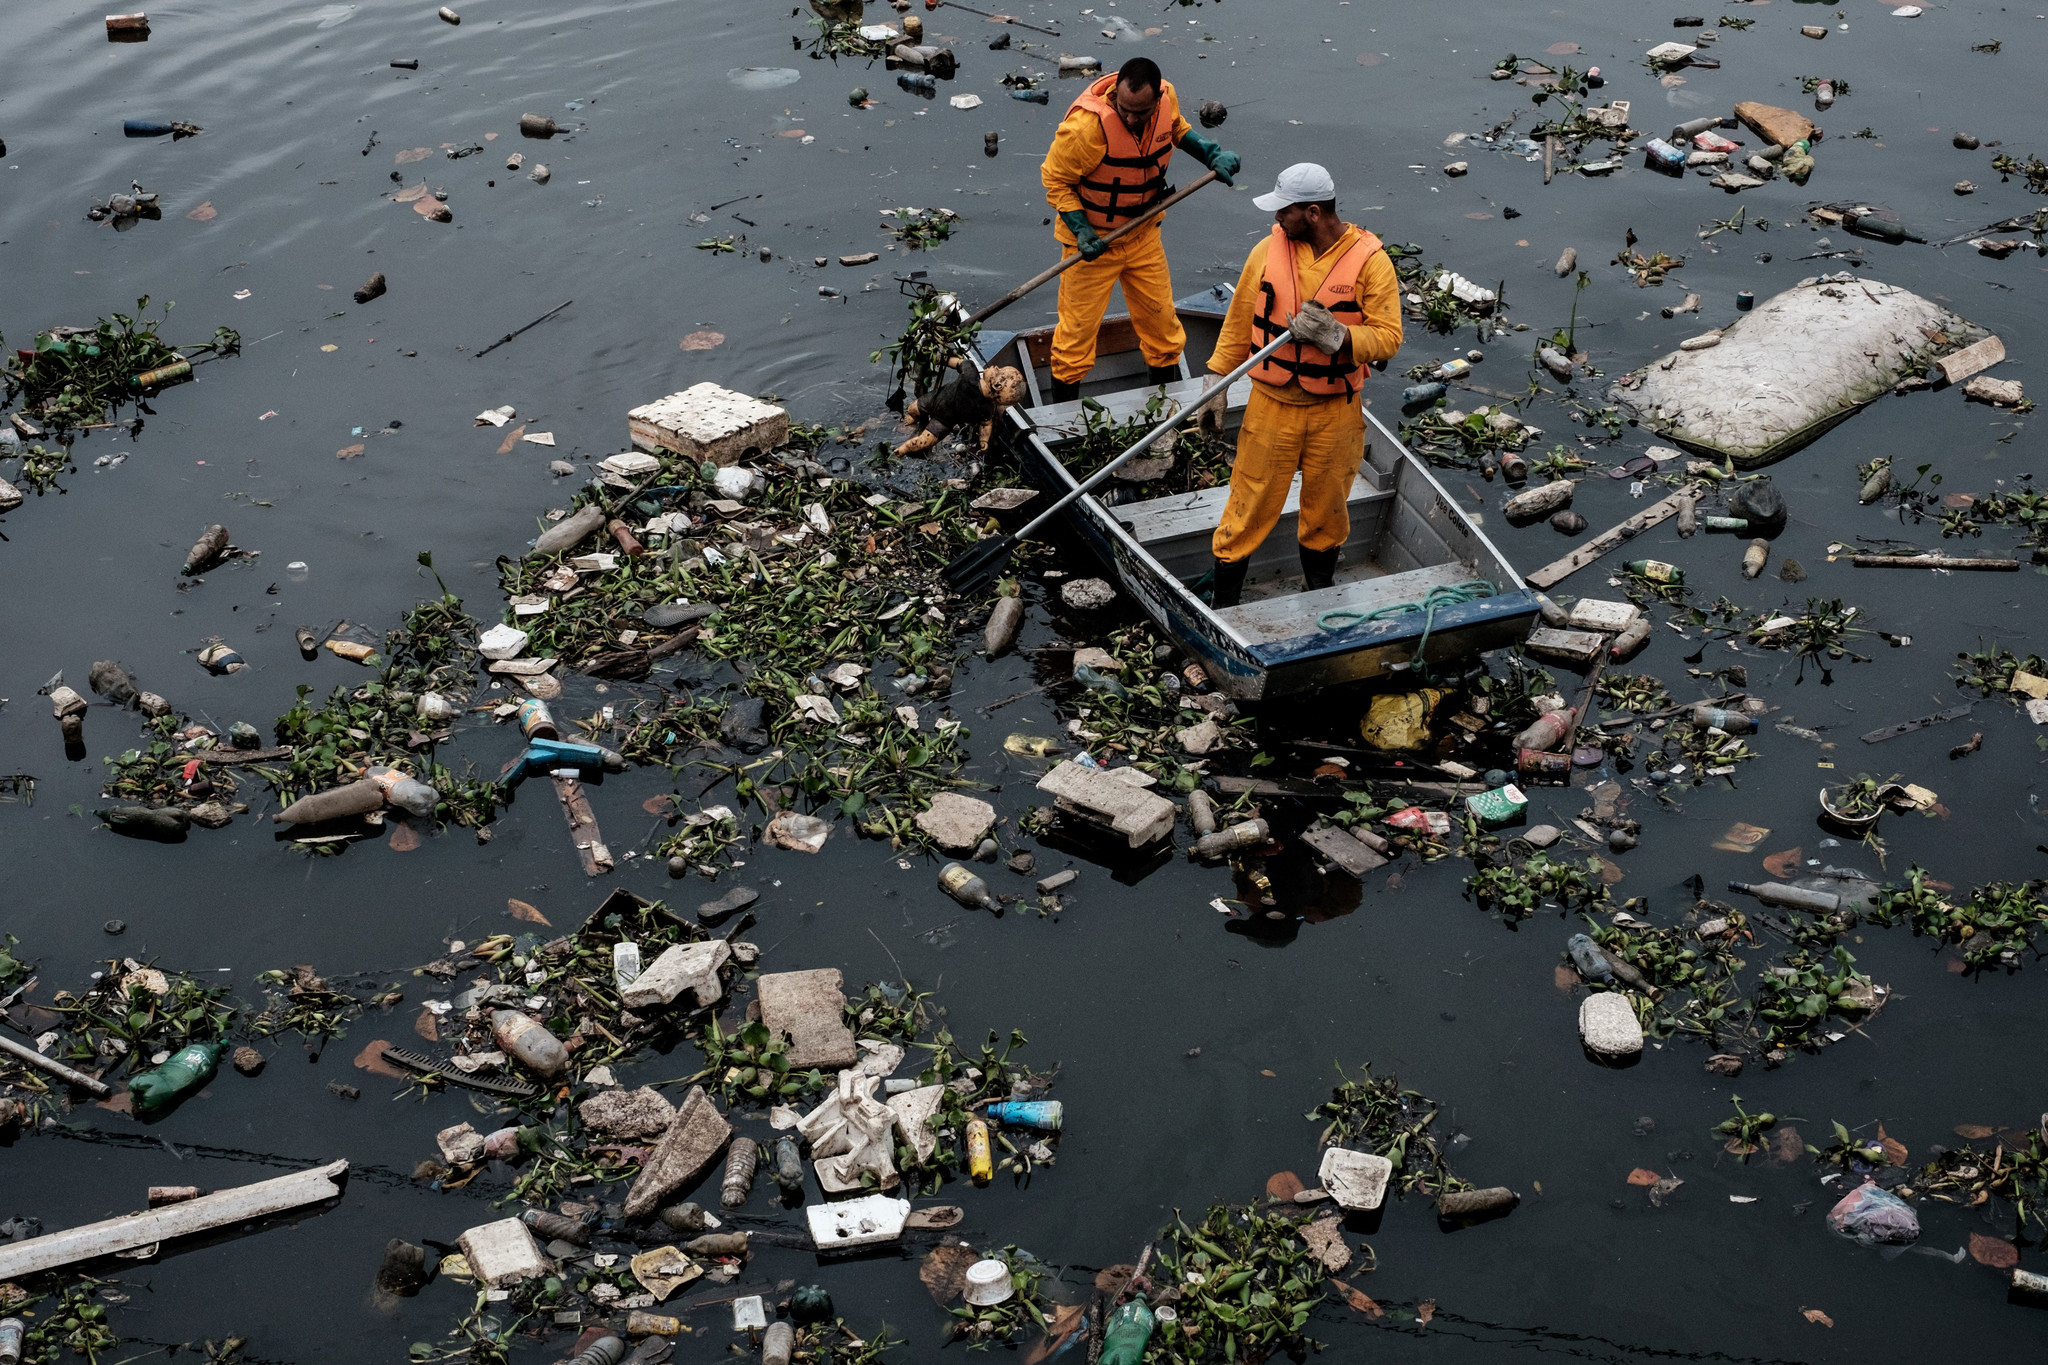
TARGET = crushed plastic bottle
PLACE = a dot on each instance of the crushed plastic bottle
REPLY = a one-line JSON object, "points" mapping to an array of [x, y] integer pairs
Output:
{"points": [[181, 1074]]}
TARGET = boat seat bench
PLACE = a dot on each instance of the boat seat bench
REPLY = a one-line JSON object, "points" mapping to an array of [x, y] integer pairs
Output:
{"points": [[1294, 614], [1178, 530]]}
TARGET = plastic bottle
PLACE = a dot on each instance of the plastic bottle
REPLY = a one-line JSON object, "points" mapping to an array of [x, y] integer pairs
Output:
{"points": [[981, 1165], [1823, 94], [207, 550], [1791, 897], [1043, 1115], [1513, 468], [1097, 681], [528, 1040], [1128, 1332], [1663, 155], [777, 1344], [925, 86], [11, 1332], [1755, 557], [1586, 956], [435, 708], [1693, 127], [1421, 395], [786, 1166], [405, 791], [1630, 640], [1452, 369], [1594, 80], [686, 1218], [1201, 813], [1720, 718], [1244, 834], [1656, 570], [740, 1160], [353, 798], [963, 886], [629, 544], [536, 721], [1032, 96], [553, 1227], [1476, 1203], [1542, 766], [1740, 524], [536, 125], [182, 1073], [161, 375], [569, 532], [1551, 729], [718, 1244]]}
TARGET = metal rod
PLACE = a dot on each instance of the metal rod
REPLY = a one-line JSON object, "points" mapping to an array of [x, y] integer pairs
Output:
{"points": [[1144, 442], [509, 335], [994, 18]]}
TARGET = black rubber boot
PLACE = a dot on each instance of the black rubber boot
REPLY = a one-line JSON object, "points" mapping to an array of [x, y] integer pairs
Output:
{"points": [[1228, 582], [1063, 392], [1318, 568], [1162, 374]]}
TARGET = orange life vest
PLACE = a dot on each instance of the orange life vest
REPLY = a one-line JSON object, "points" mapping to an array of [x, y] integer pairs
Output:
{"points": [[1132, 173], [1280, 299]]}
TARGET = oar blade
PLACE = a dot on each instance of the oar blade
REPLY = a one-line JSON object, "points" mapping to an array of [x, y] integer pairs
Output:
{"points": [[976, 567]]}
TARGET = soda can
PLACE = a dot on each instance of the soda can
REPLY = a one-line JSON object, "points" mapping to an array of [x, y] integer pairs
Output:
{"points": [[1535, 765], [536, 721]]}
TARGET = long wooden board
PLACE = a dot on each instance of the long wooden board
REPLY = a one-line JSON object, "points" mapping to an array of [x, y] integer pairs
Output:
{"points": [[1559, 570], [210, 1211]]}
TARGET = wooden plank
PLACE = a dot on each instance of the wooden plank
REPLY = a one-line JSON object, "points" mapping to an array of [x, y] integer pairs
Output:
{"points": [[1340, 848], [69, 1075], [1933, 562], [230, 757], [1907, 727], [1559, 570], [204, 1214], [1285, 617], [583, 831]]}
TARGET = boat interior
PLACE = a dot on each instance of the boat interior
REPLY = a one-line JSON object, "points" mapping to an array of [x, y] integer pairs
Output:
{"points": [[1396, 551]]}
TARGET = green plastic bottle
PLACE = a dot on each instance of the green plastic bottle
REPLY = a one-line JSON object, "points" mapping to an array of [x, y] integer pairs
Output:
{"points": [[1130, 1327], [1656, 570], [182, 1073]]}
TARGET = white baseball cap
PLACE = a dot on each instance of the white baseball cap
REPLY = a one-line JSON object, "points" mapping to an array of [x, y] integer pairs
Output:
{"points": [[1302, 183]]}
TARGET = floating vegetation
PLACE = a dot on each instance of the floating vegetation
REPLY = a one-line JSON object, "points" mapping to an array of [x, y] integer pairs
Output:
{"points": [[71, 1322], [1990, 671], [155, 775], [302, 1002], [1431, 295], [1793, 1000], [1809, 84], [1691, 980], [1648, 270], [1243, 1284], [1994, 926], [935, 336], [1635, 692], [1519, 890], [76, 376], [842, 38], [1821, 630], [2015, 1171], [136, 1011], [1377, 1115], [1450, 439], [2033, 169], [1000, 1324], [1740, 1133], [41, 467], [921, 229], [1138, 710]]}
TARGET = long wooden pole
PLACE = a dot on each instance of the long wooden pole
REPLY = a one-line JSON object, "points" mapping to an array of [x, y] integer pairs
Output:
{"points": [[54, 1067], [1069, 262]]}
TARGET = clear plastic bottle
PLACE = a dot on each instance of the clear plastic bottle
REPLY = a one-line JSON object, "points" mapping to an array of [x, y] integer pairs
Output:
{"points": [[405, 791], [526, 1039]]}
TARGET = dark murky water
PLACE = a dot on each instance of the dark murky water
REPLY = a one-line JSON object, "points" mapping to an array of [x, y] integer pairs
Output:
{"points": [[304, 121]]}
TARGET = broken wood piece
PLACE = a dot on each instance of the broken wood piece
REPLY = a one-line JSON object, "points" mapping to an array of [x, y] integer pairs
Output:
{"points": [[1976, 357], [1559, 570], [232, 757], [1933, 562], [96, 1088], [1907, 727], [583, 831], [1104, 799], [204, 1214], [1339, 847]]}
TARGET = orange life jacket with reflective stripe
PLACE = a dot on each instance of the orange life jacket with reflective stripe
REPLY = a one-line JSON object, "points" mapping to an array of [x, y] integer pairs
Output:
{"points": [[1280, 299], [1132, 173]]}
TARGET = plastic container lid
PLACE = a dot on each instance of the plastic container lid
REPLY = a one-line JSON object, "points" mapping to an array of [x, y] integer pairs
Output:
{"points": [[988, 1282]]}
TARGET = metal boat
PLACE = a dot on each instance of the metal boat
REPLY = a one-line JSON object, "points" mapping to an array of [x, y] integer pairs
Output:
{"points": [[1409, 583]]}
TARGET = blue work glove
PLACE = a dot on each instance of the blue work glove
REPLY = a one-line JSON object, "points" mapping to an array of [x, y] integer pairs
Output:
{"points": [[1085, 239], [1217, 159]]}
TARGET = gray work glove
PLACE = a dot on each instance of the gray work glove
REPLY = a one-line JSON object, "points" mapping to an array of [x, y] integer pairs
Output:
{"points": [[1209, 417], [1317, 326]]}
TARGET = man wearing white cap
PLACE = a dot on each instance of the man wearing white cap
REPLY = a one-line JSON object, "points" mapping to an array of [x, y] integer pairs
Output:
{"points": [[1331, 284]]}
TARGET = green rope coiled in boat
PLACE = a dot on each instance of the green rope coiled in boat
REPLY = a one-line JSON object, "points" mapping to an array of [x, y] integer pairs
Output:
{"points": [[1437, 598]]}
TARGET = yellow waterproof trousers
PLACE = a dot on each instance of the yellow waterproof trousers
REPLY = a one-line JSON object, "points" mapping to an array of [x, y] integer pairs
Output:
{"points": [[1139, 261], [1325, 441]]}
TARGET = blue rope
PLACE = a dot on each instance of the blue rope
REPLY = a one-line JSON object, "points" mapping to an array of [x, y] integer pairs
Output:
{"points": [[1447, 595]]}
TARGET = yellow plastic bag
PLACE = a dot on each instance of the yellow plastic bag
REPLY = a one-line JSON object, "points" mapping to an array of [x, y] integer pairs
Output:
{"points": [[1400, 720]]}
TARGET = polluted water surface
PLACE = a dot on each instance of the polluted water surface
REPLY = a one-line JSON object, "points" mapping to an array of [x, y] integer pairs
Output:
{"points": [[716, 926]]}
